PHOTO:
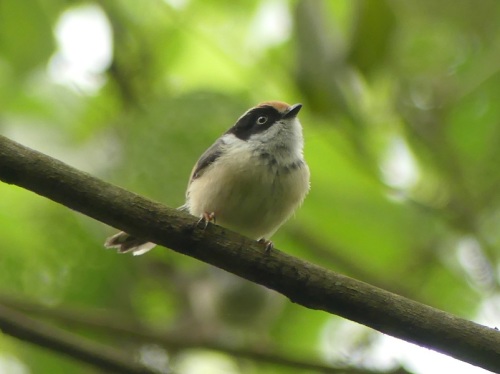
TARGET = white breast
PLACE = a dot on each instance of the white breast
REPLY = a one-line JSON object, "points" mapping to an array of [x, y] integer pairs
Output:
{"points": [[246, 193]]}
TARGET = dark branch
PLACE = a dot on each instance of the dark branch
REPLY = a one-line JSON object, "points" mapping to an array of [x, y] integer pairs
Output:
{"points": [[141, 334], [302, 282], [43, 335]]}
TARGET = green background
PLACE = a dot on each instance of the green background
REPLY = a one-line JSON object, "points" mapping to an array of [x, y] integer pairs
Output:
{"points": [[401, 120]]}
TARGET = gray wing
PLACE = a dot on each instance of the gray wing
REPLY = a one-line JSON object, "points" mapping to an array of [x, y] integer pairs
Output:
{"points": [[206, 159]]}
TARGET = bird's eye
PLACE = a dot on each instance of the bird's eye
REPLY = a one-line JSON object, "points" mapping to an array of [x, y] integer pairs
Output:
{"points": [[261, 120]]}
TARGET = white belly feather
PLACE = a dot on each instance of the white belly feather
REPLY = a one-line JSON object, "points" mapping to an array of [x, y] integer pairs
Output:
{"points": [[248, 195]]}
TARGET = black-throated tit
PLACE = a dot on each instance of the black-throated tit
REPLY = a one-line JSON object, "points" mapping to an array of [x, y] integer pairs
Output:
{"points": [[250, 180]]}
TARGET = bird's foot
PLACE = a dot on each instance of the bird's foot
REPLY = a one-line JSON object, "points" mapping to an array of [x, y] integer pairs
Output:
{"points": [[206, 218], [268, 245]]}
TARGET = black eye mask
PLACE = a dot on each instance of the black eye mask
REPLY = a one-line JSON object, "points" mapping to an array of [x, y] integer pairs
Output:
{"points": [[252, 123]]}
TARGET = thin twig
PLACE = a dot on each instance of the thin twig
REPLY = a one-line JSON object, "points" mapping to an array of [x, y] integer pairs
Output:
{"points": [[15, 324], [125, 328]]}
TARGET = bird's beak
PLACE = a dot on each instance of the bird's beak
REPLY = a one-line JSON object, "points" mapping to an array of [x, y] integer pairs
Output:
{"points": [[292, 111]]}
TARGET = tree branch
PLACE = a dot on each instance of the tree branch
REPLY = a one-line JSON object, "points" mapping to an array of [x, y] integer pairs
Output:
{"points": [[24, 328], [139, 333], [302, 282]]}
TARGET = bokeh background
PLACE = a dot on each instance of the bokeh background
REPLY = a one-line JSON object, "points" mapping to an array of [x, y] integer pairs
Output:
{"points": [[401, 119]]}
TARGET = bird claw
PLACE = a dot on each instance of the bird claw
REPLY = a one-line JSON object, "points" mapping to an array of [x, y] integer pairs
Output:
{"points": [[206, 218], [268, 245]]}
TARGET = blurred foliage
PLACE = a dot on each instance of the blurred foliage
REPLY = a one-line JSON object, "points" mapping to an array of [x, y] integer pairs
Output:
{"points": [[402, 138]]}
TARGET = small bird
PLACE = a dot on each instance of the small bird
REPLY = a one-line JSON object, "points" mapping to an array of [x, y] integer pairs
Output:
{"points": [[251, 180]]}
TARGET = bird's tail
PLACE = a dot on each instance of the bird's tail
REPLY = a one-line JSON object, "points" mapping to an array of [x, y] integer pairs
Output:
{"points": [[126, 243]]}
